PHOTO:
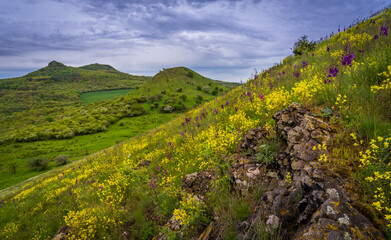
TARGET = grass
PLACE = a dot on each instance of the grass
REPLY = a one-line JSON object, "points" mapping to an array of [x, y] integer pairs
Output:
{"points": [[96, 96], [109, 193], [76, 148]]}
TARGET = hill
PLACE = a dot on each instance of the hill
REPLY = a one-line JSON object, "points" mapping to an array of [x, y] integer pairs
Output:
{"points": [[78, 130], [302, 151]]}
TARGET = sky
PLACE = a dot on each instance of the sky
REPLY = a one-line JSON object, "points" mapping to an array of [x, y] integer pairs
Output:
{"points": [[220, 39]]}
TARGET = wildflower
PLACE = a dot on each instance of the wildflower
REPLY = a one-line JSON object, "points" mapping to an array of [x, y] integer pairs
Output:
{"points": [[325, 81], [100, 187], [227, 103], [261, 96], [283, 72], [360, 51], [183, 124], [187, 120], [313, 54], [347, 60], [333, 72], [236, 109], [296, 74], [328, 49], [248, 94], [305, 64], [216, 111], [271, 86], [222, 106], [70, 193], [165, 171], [384, 31], [375, 37]]}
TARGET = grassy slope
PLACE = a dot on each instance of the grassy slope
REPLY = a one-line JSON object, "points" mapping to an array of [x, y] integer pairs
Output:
{"points": [[96, 96], [105, 195], [16, 153]]}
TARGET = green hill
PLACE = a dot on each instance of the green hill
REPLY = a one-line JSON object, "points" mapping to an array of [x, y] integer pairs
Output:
{"points": [[302, 151]]}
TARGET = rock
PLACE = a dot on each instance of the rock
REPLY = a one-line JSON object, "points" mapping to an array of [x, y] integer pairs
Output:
{"points": [[272, 223], [144, 163], [206, 233], [198, 183], [252, 140], [62, 233], [297, 165]]}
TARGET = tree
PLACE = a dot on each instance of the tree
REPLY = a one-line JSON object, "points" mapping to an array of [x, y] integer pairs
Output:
{"points": [[303, 45]]}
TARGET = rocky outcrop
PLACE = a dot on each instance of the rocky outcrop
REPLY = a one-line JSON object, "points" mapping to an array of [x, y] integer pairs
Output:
{"points": [[198, 183], [301, 201]]}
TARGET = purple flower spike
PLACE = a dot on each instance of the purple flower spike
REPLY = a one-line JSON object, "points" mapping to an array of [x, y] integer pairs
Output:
{"points": [[226, 103], [296, 74], [333, 72], [222, 106], [183, 124], [305, 64], [361, 51], [271, 86], [325, 81], [165, 171], [375, 37], [236, 109], [384, 31], [328, 49], [248, 94], [283, 72]]}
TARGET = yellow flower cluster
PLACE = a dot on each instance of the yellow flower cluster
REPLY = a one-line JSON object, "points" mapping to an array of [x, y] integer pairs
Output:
{"points": [[288, 178], [307, 89], [10, 229], [374, 162], [190, 210], [386, 84], [357, 40], [322, 148], [85, 223]]}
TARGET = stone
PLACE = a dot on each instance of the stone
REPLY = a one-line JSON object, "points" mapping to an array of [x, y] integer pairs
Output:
{"points": [[198, 183], [272, 223], [62, 233], [297, 165]]}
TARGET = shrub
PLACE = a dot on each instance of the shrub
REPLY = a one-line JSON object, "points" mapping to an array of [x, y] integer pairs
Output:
{"points": [[167, 109], [179, 90], [199, 88], [199, 99], [303, 45], [190, 74], [37, 163], [12, 167], [62, 159], [183, 97], [206, 89]]}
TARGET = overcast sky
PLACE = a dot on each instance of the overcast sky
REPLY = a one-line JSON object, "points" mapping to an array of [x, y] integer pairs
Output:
{"points": [[223, 40]]}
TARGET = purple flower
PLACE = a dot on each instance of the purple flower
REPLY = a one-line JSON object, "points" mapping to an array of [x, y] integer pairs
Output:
{"points": [[165, 171], [271, 86], [183, 124], [157, 168], [261, 96], [248, 94], [216, 111], [347, 60], [313, 54], [325, 81], [305, 64], [70, 193], [296, 74], [328, 49], [100, 187], [222, 106], [93, 181], [333, 72], [361, 51], [283, 72], [236, 109], [226, 103], [197, 119], [375, 37], [187, 120], [384, 31]]}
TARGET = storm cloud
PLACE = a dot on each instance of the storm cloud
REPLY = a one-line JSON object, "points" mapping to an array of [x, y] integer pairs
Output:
{"points": [[220, 39]]}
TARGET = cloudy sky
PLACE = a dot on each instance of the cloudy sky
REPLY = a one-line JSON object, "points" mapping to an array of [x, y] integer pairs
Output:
{"points": [[221, 39]]}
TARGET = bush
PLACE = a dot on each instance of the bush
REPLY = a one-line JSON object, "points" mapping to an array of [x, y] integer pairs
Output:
{"points": [[303, 45], [179, 90], [37, 163], [206, 89], [183, 97], [190, 74], [199, 99], [62, 159], [12, 167], [199, 88], [167, 109]]}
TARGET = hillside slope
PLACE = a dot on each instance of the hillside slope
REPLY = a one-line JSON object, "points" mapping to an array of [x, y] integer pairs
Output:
{"points": [[190, 177]]}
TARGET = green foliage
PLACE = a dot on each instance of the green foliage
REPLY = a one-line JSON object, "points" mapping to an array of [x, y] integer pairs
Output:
{"points": [[303, 45], [37, 163], [62, 159], [266, 152], [12, 167]]}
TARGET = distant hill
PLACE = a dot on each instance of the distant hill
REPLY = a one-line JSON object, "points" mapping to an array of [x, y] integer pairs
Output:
{"points": [[60, 85]]}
